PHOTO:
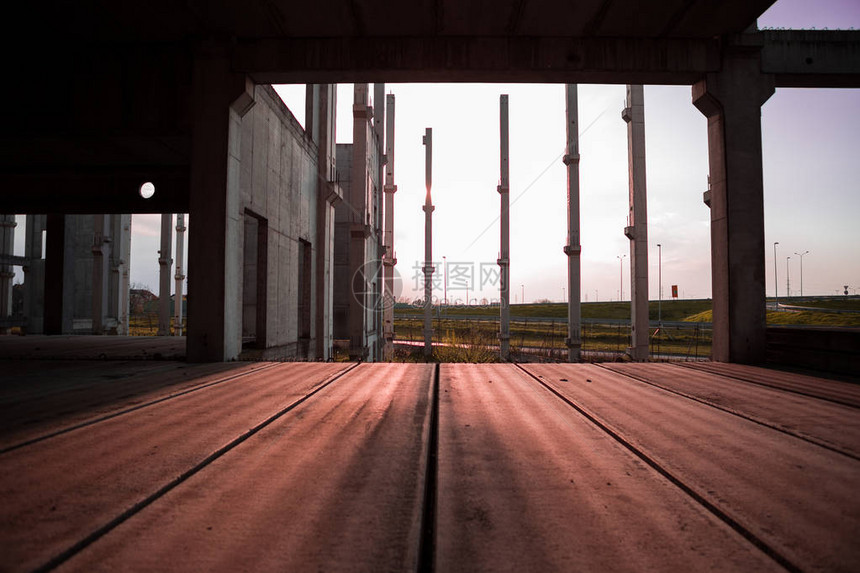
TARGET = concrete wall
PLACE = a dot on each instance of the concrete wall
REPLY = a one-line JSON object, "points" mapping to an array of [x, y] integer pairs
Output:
{"points": [[80, 242], [279, 190], [359, 276]]}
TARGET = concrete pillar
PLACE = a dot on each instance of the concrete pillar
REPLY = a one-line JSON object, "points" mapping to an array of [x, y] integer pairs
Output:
{"points": [[34, 274], [360, 229], [573, 248], [322, 107], [505, 239], [731, 100], [165, 263], [390, 257], [122, 267], [428, 244], [101, 275], [221, 98], [7, 271], [637, 221], [55, 266], [379, 122], [179, 277]]}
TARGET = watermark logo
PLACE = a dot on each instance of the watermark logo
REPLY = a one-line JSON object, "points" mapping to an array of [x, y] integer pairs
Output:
{"points": [[369, 289]]}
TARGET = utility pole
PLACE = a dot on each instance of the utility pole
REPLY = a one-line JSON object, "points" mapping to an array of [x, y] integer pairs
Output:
{"points": [[775, 278], [801, 270], [505, 222], [621, 276], [660, 284], [428, 245]]}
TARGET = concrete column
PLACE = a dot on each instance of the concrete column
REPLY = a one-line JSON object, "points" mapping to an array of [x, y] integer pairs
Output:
{"points": [[505, 239], [101, 249], [7, 271], [122, 258], [34, 274], [390, 257], [379, 122], [428, 244], [732, 100], [179, 277], [221, 99], [322, 106], [55, 266], [165, 263], [360, 228], [573, 249], [637, 221]]}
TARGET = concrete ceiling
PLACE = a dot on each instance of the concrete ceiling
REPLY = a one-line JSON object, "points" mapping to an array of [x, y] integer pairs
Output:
{"points": [[165, 20]]}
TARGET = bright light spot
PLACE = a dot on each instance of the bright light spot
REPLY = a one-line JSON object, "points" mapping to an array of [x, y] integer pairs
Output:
{"points": [[147, 190]]}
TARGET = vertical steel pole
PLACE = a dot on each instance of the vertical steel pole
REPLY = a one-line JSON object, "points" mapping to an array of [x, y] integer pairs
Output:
{"points": [[428, 246], [775, 279], [504, 252], [573, 249]]}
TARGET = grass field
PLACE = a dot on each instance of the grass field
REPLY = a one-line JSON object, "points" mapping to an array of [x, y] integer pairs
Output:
{"points": [[480, 336]]}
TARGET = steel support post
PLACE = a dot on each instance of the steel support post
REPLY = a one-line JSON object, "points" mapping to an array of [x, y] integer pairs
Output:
{"points": [[165, 261]]}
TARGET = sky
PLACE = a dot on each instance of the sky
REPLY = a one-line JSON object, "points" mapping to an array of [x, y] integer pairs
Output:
{"points": [[810, 142]]}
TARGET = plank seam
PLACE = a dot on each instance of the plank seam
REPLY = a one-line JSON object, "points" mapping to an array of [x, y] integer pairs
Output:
{"points": [[699, 498]]}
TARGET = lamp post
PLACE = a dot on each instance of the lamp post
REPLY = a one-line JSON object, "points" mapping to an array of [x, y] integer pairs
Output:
{"points": [[660, 284], [621, 274], [787, 279], [775, 278], [523, 294], [445, 284], [801, 270]]}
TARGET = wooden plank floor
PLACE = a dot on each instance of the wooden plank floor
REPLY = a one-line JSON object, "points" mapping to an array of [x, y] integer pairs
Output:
{"points": [[148, 465]]}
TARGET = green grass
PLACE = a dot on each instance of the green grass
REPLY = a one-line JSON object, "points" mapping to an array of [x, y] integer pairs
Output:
{"points": [[673, 310], [690, 341], [799, 318]]}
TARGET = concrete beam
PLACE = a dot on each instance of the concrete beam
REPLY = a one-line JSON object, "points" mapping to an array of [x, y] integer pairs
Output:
{"points": [[811, 58], [478, 59], [85, 191]]}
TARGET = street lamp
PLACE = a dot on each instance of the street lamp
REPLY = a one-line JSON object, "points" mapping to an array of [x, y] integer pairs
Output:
{"points": [[523, 294], [621, 272], [775, 278], [801, 270], [787, 279], [445, 284], [660, 284]]}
